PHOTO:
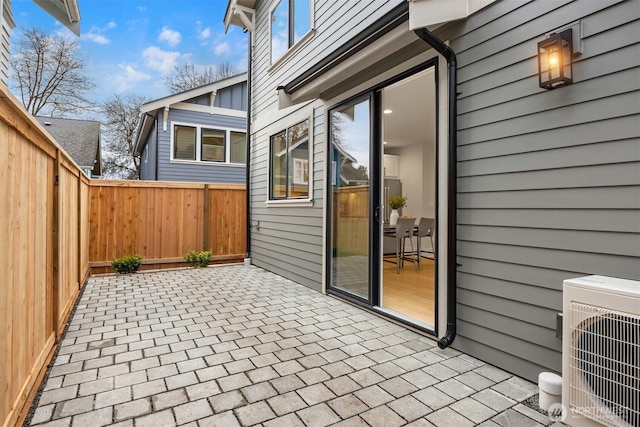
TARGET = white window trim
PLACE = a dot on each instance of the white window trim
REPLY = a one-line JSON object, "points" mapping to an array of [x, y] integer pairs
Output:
{"points": [[276, 62], [298, 202], [293, 49], [198, 160]]}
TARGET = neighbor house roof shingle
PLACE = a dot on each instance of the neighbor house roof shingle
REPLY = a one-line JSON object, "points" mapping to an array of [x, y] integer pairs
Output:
{"points": [[79, 138]]}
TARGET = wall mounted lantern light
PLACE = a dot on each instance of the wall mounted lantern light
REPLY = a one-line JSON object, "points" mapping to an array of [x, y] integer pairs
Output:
{"points": [[555, 57]]}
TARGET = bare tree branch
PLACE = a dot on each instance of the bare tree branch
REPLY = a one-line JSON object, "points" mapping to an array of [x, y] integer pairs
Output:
{"points": [[188, 76], [120, 131], [48, 74]]}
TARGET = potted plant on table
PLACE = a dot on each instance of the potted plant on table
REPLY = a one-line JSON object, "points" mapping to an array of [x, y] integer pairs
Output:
{"points": [[395, 203]]}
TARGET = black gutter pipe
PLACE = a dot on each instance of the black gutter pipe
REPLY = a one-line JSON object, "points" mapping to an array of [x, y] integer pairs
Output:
{"points": [[452, 188], [157, 142], [248, 156]]}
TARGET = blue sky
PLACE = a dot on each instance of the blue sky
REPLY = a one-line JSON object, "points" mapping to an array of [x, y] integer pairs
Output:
{"points": [[130, 45]]}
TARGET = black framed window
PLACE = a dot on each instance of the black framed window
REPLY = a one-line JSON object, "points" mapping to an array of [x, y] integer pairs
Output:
{"points": [[289, 163], [290, 21]]}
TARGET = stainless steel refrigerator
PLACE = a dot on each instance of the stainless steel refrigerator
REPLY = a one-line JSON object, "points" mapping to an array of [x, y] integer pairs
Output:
{"points": [[392, 187]]}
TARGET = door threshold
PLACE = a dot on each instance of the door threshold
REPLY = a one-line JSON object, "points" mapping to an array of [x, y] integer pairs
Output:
{"points": [[415, 323]]}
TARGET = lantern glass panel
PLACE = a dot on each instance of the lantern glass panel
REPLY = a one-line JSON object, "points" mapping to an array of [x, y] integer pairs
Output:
{"points": [[554, 60]]}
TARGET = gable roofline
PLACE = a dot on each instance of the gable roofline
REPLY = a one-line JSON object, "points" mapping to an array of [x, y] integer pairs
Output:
{"points": [[149, 111], [294, 146], [193, 93]]}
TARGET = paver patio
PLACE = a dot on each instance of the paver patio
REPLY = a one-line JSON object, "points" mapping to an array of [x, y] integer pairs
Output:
{"points": [[240, 346]]}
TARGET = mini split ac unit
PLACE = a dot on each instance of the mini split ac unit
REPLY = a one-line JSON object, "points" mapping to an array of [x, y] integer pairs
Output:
{"points": [[601, 352]]}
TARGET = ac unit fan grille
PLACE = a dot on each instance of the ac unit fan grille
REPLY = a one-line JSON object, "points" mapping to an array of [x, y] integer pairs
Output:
{"points": [[605, 365]]}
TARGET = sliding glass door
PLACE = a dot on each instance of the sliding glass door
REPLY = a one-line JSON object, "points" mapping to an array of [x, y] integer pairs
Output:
{"points": [[351, 190], [383, 144], [408, 288]]}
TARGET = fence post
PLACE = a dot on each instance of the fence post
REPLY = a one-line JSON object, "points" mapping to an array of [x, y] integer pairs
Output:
{"points": [[55, 247], [80, 229], [205, 219]]}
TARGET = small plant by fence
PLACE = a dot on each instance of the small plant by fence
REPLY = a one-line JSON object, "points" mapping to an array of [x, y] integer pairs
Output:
{"points": [[198, 259], [127, 264]]}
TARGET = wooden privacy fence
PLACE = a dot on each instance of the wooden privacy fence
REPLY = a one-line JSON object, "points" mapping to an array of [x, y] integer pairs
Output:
{"points": [[351, 219], [44, 250], [163, 221], [57, 225]]}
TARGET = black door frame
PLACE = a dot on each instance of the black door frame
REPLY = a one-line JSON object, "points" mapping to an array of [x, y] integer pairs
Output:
{"points": [[375, 202]]}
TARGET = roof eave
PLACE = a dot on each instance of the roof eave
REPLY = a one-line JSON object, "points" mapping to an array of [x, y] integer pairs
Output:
{"points": [[66, 12], [240, 13], [144, 130], [192, 93]]}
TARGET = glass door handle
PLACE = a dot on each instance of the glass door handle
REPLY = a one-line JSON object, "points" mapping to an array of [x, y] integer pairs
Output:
{"points": [[376, 214]]}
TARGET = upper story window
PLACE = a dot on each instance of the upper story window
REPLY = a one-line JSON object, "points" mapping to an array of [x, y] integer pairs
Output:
{"points": [[201, 144], [289, 166], [290, 22]]}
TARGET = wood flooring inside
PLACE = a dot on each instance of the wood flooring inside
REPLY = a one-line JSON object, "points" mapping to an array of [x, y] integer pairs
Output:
{"points": [[412, 292]]}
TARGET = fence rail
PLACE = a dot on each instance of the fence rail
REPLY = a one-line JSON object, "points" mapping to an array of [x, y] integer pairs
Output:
{"points": [[58, 226]]}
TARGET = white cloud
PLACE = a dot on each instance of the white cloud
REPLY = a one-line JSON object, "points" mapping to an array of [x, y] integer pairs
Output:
{"points": [[96, 34], [170, 36], [204, 34], [221, 48], [96, 38], [129, 77], [160, 60], [278, 45]]}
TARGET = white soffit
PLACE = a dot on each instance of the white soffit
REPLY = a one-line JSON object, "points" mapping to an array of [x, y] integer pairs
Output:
{"points": [[66, 12], [429, 13]]}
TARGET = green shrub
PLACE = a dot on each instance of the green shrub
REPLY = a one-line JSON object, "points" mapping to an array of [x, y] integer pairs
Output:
{"points": [[127, 264], [198, 259]]}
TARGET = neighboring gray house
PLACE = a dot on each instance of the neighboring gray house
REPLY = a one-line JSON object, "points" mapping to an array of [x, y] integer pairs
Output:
{"points": [[196, 135], [80, 139], [528, 186]]}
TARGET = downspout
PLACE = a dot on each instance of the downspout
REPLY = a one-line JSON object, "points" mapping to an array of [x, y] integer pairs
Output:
{"points": [[248, 156], [452, 189], [156, 156]]}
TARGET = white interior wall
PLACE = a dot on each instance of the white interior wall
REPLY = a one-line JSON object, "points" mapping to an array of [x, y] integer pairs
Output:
{"points": [[411, 175], [429, 178]]}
